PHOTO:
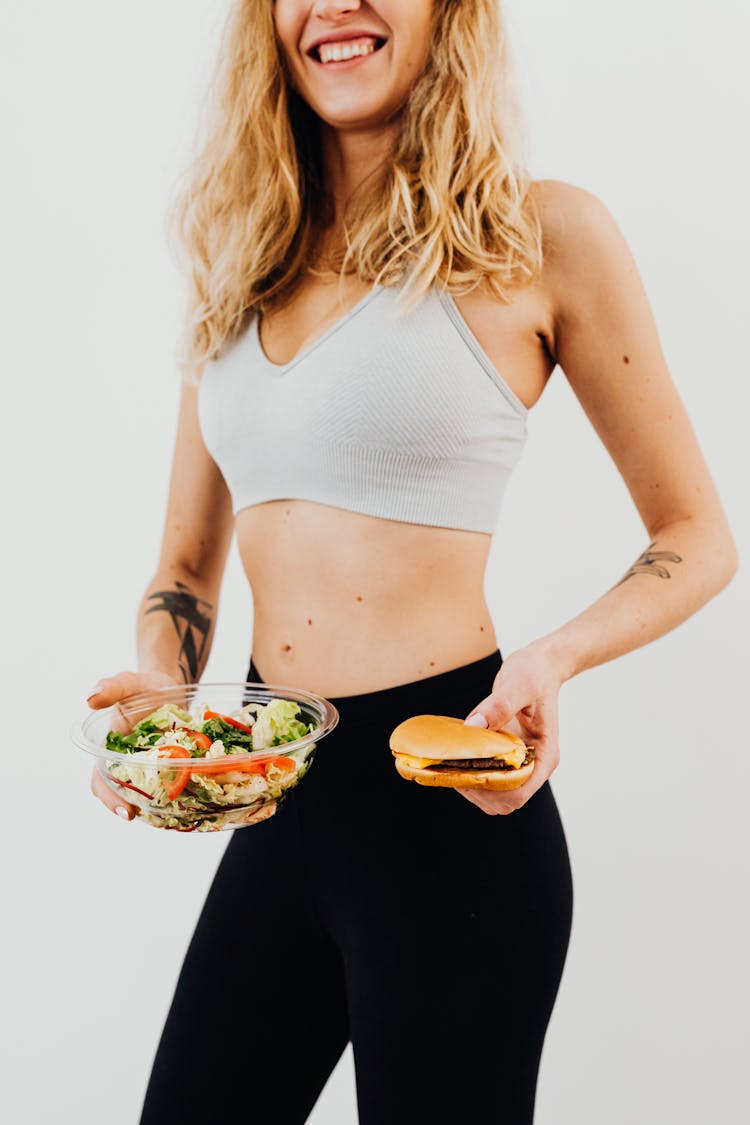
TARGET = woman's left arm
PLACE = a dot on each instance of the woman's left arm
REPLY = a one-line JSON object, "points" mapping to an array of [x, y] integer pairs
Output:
{"points": [[607, 344]]}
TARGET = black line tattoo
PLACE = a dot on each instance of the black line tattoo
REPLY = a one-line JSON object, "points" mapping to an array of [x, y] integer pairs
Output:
{"points": [[192, 624], [651, 562]]}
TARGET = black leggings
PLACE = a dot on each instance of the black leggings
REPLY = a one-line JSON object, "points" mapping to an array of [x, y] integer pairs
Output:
{"points": [[373, 909]]}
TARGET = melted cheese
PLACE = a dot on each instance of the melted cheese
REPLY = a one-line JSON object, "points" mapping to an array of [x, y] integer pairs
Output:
{"points": [[514, 756], [418, 763]]}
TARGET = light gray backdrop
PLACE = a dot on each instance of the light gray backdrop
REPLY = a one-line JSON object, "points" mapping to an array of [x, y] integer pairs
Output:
{"points": [[644, 104]]}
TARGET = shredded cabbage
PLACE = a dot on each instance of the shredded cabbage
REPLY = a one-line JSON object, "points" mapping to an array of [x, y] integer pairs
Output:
{"points": [[164, 716], [276, 723]]}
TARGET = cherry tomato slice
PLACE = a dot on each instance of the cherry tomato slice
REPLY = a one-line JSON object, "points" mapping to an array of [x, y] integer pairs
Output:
{"points": [[174, 788], [249, 765], [225, 765], [202, 741], [282, 762]]}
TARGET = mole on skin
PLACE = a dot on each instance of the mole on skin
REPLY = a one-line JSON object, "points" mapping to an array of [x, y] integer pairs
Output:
{"points": [[625, 359]]}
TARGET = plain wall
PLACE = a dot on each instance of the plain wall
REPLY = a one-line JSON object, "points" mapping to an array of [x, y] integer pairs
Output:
{"points": [[644, 104]]}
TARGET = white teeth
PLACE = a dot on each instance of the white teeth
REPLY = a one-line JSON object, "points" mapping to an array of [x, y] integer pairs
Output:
{"points": [[330, 52]]}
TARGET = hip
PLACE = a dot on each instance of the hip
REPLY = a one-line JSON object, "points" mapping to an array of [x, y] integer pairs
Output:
{"points": [[354, 792], [377, 850]]}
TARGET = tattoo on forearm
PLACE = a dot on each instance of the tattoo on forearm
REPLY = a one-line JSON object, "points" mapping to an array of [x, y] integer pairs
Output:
{"points": [[191, 618], [652, 562]]}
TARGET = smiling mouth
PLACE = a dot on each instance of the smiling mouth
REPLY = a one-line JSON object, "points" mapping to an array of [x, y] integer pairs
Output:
{"points": [[333, 63]]}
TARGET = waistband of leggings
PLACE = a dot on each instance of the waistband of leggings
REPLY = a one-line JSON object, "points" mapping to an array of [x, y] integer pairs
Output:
{"points": [[466, 684]]}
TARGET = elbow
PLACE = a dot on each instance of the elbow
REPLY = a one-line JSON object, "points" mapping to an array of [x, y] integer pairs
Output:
{"points": [[719, 557], [727, 559], [731, 560]]}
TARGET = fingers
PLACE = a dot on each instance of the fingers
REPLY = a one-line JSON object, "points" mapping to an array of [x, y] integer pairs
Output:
{"points": [[495, 712], [109, 798], [111, 689], [493, 804], [499, 713], [109, 692], [507, 801]]}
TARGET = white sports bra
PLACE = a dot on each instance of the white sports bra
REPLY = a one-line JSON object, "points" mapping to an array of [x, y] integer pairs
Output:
{"points": [[398, 416]]}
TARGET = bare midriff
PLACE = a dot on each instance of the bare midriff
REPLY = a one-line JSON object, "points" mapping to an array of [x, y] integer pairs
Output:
{"points": [[346, 603]]}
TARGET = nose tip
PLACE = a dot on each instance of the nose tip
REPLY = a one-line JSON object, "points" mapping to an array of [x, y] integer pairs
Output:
{"points": [[331, 8]]}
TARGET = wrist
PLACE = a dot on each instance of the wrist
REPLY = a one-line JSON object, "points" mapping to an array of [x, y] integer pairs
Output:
{"points": [[558, 653], [159, 670]]}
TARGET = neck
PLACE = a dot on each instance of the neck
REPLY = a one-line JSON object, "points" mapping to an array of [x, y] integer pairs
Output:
{"points": [[350, 157]]}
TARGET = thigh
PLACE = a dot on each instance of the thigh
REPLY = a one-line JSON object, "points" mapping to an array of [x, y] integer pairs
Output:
{"points": [[448, 1020], [455, 927], [258, 1018]]}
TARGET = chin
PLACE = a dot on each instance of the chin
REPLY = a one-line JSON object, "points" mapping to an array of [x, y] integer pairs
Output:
{"points": [[354, 124], [360, 115]]}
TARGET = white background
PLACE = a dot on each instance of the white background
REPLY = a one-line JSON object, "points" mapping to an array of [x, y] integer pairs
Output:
{"points": [[644, 104]]}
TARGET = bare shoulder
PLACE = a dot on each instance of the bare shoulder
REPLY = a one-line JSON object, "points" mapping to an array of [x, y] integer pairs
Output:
{"points": [[567, 213], [587, 260], [575, 223]]}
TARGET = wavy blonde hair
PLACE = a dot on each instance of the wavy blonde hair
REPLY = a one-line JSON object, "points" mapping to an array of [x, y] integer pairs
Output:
{"points": [[450, 206]]}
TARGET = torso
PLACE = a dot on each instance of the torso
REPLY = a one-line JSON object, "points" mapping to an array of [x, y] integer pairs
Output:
{"points": [[344, 602]]}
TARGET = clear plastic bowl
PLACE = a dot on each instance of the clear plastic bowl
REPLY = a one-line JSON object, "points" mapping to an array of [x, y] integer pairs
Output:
{"points": [[212, 799]]}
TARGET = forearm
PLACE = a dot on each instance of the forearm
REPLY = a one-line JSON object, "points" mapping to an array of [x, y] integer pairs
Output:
{"points": [[175, 625], [686, 564]]}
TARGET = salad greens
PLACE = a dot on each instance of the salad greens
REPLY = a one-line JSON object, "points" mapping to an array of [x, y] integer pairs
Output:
{"points": [[223, 787], [277, 723], [230, 736]]}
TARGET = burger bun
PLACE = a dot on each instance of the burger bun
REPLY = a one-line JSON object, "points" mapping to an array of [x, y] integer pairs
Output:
{"points": [[444, 737]]}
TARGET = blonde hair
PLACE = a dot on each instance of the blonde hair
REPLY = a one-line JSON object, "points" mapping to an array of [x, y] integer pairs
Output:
{"points": [[451, 205]]}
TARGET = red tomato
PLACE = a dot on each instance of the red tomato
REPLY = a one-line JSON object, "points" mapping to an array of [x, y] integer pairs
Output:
{"points": [[225, 764], [174, 788], [202, 741], [248, 765]]}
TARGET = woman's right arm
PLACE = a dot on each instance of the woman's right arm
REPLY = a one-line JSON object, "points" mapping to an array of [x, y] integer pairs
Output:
{"points": [[177, 614]]}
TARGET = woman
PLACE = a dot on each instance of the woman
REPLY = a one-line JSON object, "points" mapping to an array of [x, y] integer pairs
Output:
{"points": [[368, 256]]}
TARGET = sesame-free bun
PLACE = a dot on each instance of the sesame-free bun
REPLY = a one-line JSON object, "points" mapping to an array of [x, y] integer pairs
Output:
{"points": [[441, 737]]}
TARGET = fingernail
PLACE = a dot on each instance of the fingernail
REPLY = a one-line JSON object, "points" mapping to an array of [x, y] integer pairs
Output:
{"points": [[97, 688], [476, 720], [122, 811]]}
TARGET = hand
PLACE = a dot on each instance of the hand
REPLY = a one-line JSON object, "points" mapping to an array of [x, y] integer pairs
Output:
{"points": [[107, 692], [523, 701]]}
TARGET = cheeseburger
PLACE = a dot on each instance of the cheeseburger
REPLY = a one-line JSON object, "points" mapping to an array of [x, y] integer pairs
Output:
{"points": [[441, 750]]}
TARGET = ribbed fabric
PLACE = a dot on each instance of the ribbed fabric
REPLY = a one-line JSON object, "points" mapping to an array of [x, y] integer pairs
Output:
{"points": [[397, 415]]}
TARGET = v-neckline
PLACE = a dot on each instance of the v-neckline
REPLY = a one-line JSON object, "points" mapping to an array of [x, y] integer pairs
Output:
{"points": [[281, 368]]}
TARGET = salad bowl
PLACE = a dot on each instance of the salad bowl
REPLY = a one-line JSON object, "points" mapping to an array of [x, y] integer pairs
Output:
{"points": [[209, 756]]}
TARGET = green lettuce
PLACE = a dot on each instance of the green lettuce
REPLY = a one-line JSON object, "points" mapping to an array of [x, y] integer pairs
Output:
{"points": [[277, 723], [142, 735], [232, 738], [170, 713]]}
